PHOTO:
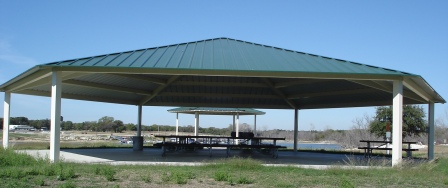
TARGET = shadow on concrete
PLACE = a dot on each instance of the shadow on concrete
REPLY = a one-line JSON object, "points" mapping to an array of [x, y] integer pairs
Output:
{"points": [[154, 155]]}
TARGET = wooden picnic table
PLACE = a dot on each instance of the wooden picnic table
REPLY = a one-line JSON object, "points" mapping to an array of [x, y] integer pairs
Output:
{"points": [[187, 142], [370, 147]]}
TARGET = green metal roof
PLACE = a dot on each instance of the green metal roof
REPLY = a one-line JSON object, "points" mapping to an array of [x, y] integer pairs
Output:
{"points": [[227, 55], [216, 111], [223, 72]]}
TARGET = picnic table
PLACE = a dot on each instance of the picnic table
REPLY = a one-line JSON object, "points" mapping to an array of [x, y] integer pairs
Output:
{"points": [[373, 145], [187, 142]]}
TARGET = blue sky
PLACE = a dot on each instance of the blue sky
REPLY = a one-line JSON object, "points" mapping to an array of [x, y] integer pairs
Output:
{"points": [[410, 36]]}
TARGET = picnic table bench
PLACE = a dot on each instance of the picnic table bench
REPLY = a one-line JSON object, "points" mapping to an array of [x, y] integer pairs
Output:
{"points": [[191, 143], [370, 147]]}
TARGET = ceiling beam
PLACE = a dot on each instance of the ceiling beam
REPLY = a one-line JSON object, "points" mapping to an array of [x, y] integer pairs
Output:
{"points": [[411, 85], [330, 93], [47, 80], [225, 84], [79, 97], [73, 75], [347, 105], [363, 103], [231, 95], [158, 90], [372, 84], [279, 93], [299, 82], [106, 87], [386, 87], [225, 105], [29, 81], [143, 78]]}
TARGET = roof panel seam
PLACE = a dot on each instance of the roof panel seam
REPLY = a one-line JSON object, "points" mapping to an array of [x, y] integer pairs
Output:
{"points": [[149, 57], [170, 56], [182, 55], [119, 54], [192, 55], [126, 58], [101, 59], [135, 60]]}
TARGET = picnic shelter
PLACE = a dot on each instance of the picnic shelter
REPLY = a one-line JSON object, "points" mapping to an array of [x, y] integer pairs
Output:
{"points": [[223, 73]]}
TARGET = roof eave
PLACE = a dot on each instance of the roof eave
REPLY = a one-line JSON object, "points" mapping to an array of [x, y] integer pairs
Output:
{"points": [[4, 86], [224, 72], [426, 90]]}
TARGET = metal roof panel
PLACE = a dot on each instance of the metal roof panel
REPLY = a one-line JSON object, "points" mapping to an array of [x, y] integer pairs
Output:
{"points": [[228, 54], [223, 72], [216, 111]]}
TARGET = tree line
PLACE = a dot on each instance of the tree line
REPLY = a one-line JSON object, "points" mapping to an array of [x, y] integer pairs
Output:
{"points": [[104, 124], [109, 124]]}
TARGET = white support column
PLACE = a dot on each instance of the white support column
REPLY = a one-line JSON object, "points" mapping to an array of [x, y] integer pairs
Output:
{"points": [[6, 118], [237, 125], [233, 128], [431, 131], [177, 124], [139, 121], [296, 128], [255, 125], [196, 123], [137, 141], [397, 124], [56, 90]]}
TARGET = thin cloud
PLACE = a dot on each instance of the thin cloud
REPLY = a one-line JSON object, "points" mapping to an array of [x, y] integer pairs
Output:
{"points": [[11, 60], [8, 56], [12, 63]]}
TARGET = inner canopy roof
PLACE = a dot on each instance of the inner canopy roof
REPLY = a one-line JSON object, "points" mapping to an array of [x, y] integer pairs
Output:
{"points": [[216, 111]]}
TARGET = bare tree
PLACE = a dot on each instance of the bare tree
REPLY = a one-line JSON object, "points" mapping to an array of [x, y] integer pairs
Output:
{"points": [[441, 129], [244, 127], [359, 131]]}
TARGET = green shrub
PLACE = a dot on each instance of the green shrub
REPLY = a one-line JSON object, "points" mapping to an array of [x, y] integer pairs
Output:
{"points": [[179, 176], [70, 172], [146, 178], [65, 172], [189, 175], [344, 182], [244, 180], [97, 170], [39, 182], [14, 184], [12, 173], [8, 157], [166, 177], [231, 181], [67, 184], [109, 173], [180, 179], [49, 170], [33, 171], [106, 170], [222, 176]]}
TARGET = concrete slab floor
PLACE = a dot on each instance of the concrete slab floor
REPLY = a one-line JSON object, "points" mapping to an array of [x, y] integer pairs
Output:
{"points": [[153, 156]]}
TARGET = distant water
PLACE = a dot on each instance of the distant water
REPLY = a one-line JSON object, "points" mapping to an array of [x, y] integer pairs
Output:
{"points": [[313, 146]]}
